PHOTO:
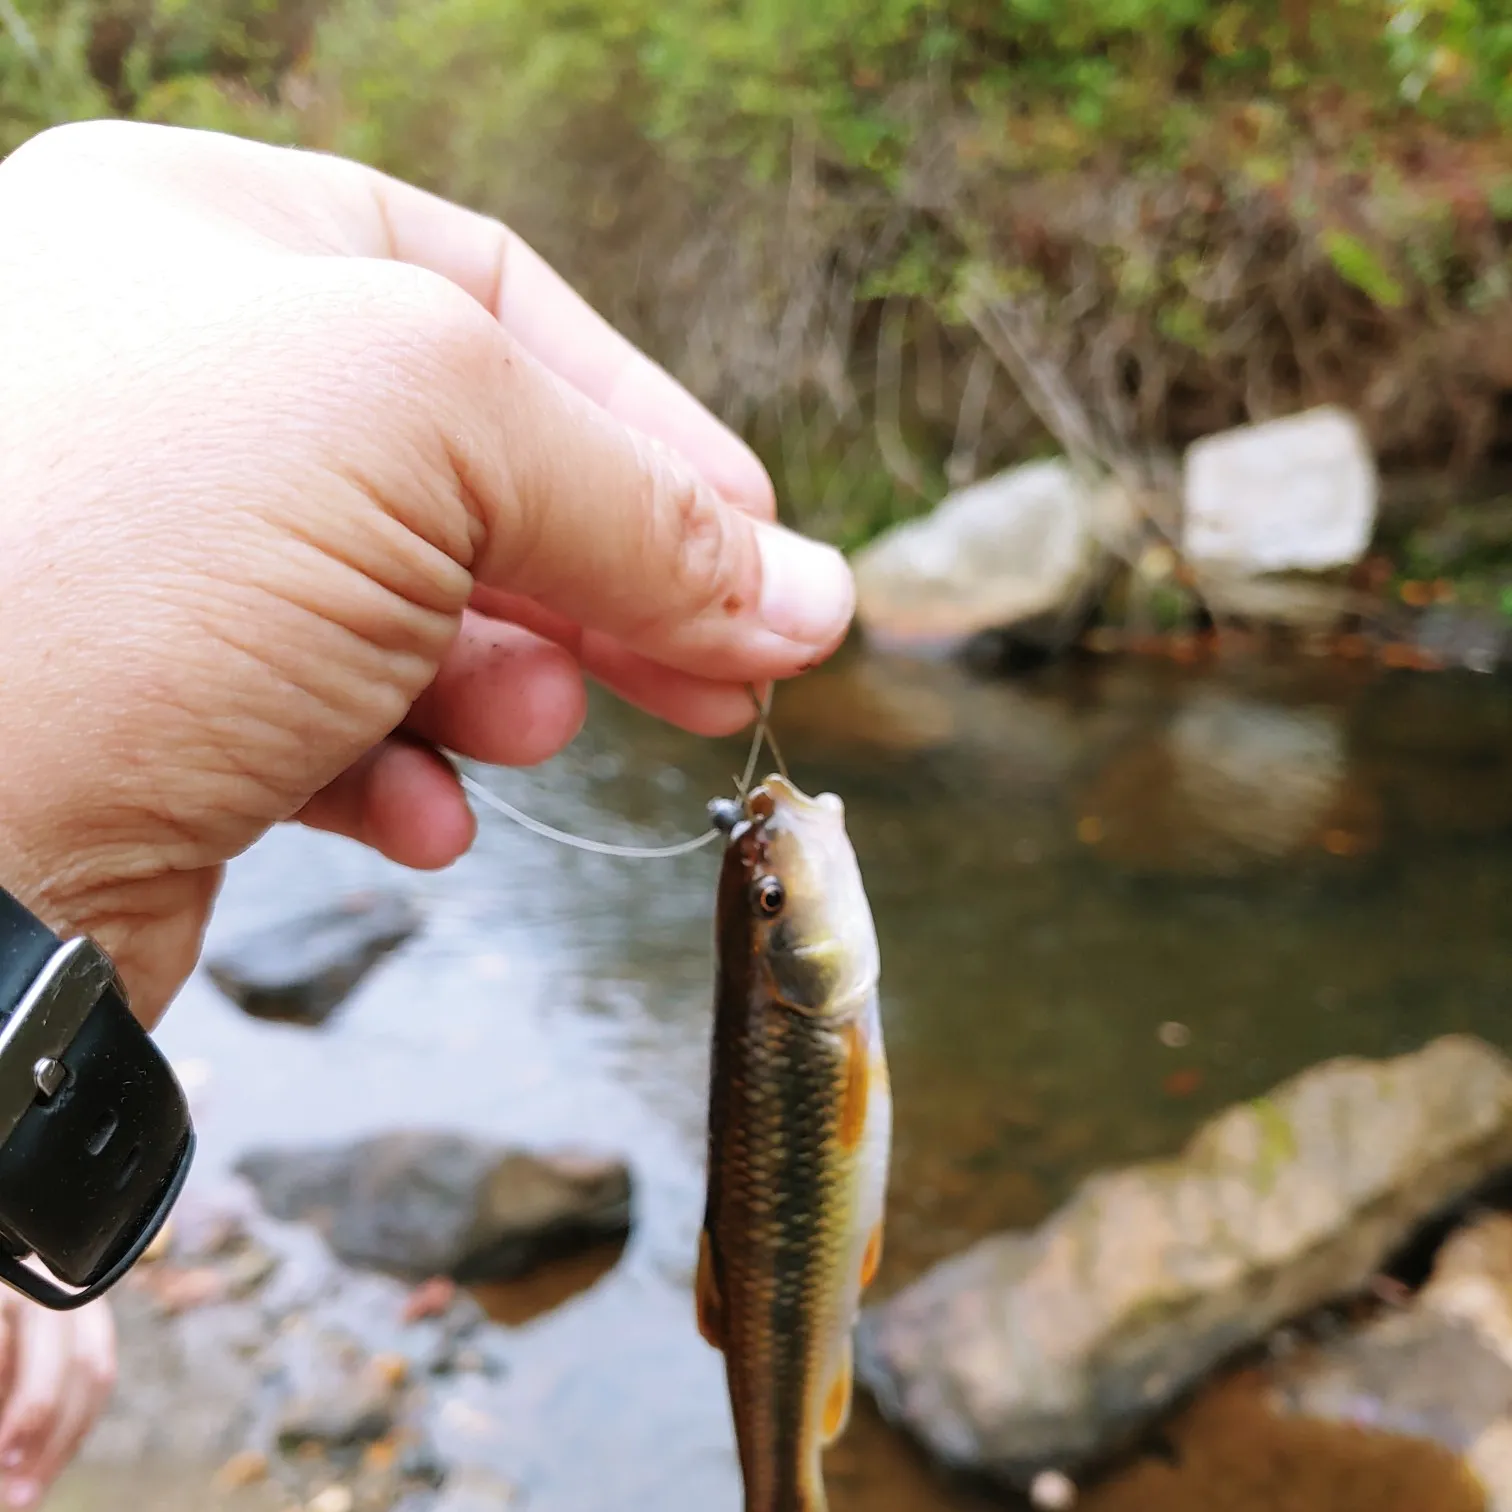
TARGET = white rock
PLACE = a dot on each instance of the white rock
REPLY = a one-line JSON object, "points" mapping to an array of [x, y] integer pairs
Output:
{"points": [[1297, 494], [1000, 553]]}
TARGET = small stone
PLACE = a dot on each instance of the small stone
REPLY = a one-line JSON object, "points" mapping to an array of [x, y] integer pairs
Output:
{"points": [[1175, 1036], [472, 1489], [341, 1401], [247, 1272], [430, 1299], [422, 1463], [1052, 1492], [244, 1469], [332, 1499], [380, 1455]]}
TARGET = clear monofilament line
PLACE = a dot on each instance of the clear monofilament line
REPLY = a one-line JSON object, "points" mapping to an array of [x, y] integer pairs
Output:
{"points": [[580, 842], [633, 852]]}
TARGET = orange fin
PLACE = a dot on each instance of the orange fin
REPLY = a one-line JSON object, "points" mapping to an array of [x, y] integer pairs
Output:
{"points": [[872, 1259], [856, 1093], [710, 1304], [837, 1402]]}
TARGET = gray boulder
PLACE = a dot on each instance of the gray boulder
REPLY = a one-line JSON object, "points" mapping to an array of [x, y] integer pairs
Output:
{"points": [[1048, 1349], [424, 1204], [1439, 1369], [300, 970]]}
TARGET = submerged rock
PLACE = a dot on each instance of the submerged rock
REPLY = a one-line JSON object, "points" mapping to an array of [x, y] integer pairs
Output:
{"points": [[1014, 552], [1441, 1370], [1048, 1349], [300, 970], [1297, 494], [429, 1204]]}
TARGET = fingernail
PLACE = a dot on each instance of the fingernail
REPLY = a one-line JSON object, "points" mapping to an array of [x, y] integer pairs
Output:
{"points": [[807, 593], [22, 1493]]}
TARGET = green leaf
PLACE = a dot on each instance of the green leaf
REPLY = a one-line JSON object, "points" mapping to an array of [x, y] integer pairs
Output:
{"points": [[1356, 264]]}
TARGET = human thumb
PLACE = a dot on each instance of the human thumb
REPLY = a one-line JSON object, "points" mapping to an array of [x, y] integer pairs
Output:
{"points": [[619, 533]]}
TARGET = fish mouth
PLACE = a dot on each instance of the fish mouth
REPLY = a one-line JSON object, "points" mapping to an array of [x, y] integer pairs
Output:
{"points": [[777, 793], [777, 802]]}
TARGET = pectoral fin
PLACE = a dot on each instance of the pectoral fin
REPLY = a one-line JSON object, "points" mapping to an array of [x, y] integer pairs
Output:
{"points": [[706, 1291], [837, 1400], [856, 1091]]}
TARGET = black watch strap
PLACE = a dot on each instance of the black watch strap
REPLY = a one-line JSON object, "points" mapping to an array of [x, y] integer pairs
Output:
{"points": [[95, 1134]]}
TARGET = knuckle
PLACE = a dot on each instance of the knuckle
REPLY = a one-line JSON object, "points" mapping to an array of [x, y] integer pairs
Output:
{"points": [[32, 1428], [700, 539], [437, 317]]}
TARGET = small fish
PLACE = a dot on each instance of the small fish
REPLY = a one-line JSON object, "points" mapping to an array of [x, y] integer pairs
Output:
{"points": [[800, 1131]]}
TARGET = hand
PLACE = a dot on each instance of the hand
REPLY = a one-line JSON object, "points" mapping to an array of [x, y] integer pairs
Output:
{"points": [[56, 1375], [300, 470]]}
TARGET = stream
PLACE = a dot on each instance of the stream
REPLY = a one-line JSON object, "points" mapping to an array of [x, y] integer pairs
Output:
{"points": [[1113, 897]]}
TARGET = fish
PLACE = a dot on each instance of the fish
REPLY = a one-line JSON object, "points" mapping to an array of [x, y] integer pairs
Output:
{"points": [[799, 1135]]}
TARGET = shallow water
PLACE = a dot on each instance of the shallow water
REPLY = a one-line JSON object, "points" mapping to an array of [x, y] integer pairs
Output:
{"points": [[1111, 899]]}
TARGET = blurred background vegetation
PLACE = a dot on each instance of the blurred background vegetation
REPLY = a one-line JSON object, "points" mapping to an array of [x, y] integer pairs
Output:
{"points": [[900, 243]]}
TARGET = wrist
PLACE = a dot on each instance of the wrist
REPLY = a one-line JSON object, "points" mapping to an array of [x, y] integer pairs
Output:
{"points": [[150, 923]]}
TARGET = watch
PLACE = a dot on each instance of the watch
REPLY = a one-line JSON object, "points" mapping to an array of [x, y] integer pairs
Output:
{"points": [[96, 1137]]}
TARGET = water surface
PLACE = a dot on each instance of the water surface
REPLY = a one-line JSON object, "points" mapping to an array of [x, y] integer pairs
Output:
{"points": [[1111, 899]]}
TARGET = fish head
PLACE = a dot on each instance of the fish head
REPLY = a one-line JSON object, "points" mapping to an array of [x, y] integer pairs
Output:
{"points": [[792, 899]]}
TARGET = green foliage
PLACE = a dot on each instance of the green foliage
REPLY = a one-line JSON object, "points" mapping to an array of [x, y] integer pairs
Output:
{"points": [[1360, 266], [45, 77], [924, 115]]}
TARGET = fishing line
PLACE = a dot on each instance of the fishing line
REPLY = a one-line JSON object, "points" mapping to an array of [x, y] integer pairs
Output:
{"points": [[764, 732], [762, 736], [580, 842]]}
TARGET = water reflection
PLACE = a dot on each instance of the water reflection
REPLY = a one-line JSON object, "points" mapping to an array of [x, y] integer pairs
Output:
{"points": [[1030, 960]]}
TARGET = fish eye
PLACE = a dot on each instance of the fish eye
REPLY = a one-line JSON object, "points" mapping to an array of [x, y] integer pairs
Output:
{"points": [[770, 896]]}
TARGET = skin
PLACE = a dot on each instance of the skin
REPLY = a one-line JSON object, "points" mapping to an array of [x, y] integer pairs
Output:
{"points": [[304, 473]]}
